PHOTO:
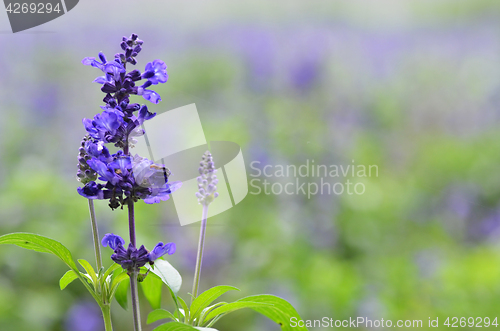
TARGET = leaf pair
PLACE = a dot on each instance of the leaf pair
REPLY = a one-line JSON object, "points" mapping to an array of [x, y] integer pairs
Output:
{"points": [[201, 314]]}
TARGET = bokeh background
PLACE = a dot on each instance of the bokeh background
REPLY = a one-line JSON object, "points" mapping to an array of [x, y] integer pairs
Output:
{"points": [[411, 86]]}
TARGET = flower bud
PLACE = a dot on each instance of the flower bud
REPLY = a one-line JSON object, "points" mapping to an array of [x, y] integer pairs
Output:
{"points": [[207, 180]]}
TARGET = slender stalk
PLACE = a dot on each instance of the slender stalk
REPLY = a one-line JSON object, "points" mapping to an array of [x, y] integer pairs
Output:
{"points": [[106, 315], [201, 244], [95, 234], [134, 274], [135, 301], [131, 221]]}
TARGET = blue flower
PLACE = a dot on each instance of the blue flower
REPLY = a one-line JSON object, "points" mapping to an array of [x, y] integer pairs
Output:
{"points": [[117, 173], [133, 258], [113, 72], [105, 126], [149, 95], [161, 194], [94, 63], [160, 250], [91, 190], [112, 240], [156, 72], [97, 150]]}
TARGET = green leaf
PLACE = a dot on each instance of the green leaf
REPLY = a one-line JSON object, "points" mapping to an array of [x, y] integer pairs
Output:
{"points": [[67, 278], [159, 314], [46, 245], [90, 271], [121, 293], [281, 312], [112, 268], [40, 244], [168, 274], [207, 310], [118, 279], [230, 307], [185, 308], [151, 286], [175, 326], [207, 297]]}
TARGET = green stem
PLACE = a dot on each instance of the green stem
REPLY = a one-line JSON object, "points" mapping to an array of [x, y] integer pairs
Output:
{"points": [[95, 234], [135, 301], [201, 244], [133, 275], [106, 315]]}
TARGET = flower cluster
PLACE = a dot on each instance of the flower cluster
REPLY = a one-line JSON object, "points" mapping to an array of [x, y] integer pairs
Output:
{"points": [[124, 176], [207, 180], [132, 258]]}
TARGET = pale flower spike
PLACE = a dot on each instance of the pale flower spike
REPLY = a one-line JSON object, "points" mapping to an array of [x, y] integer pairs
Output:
{"points": [[207, 180]]}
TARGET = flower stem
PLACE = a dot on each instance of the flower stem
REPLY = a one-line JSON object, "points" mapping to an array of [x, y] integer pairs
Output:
{"points": [[135, 300], [95, 234], [133, 274], [201, 244], [106, 315], [131, 221]]}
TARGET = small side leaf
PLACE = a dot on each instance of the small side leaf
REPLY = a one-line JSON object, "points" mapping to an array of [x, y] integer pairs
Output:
{"points": [[175, 326], [280, 312], [67, 278], [159, 314], [230, 307], [184, 310], [168, 274], [207, 297], [151, 286], [121, 293], [112, 268], [90, 271], [118, 279]]}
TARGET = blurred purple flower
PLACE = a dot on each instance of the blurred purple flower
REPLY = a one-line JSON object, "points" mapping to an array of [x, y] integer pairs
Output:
{"points": [[304, 74], [84, 316]]}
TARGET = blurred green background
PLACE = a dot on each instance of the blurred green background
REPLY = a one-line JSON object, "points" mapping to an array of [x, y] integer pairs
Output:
{"points": [[410, 86]]}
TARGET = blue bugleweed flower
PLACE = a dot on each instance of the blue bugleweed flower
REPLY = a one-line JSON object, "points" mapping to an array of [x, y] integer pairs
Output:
{"points": [[133, 258], [123, 176]]}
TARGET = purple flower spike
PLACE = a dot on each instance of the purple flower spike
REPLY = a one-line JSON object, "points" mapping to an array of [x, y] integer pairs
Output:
{"points": [[160, 250], [112, 240], [120, 177]]}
